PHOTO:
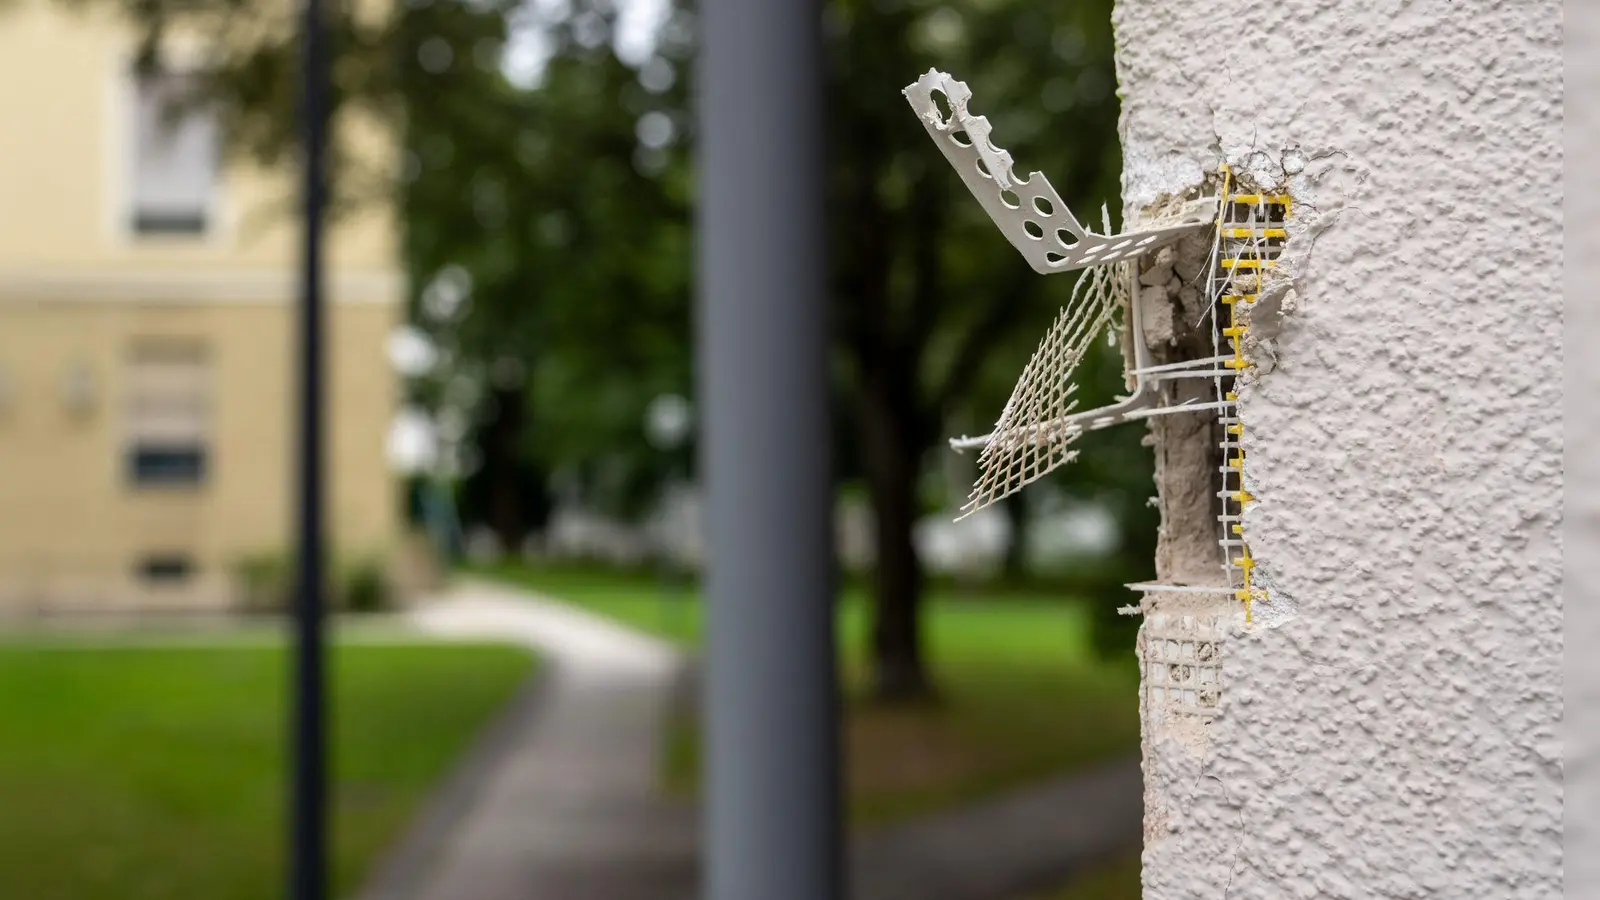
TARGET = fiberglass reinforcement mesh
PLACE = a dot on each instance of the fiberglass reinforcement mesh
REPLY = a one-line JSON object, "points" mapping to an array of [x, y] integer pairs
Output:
{"points": [[1033, 435]]}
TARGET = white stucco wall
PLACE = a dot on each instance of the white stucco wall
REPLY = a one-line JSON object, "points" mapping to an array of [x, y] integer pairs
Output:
{"points": [[1398, 735], [1581, 593]]}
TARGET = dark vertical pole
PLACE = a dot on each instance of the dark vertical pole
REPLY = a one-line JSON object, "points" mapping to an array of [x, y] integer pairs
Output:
{"points": [[308, 806], [772, 757]]}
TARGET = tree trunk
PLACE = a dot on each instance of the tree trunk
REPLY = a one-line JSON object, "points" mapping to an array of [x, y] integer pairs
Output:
{"points": [[886, 341], [503, 482], [1016, 559], [891, 449]]}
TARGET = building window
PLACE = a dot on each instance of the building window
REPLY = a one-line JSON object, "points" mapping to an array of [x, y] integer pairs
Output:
{"points": [[166, 568], [168, 414], [175, 157], [154, 464]]}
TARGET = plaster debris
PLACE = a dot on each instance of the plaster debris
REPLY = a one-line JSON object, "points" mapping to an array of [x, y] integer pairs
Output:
{"points": [[1156, 315], [1265, 316]]}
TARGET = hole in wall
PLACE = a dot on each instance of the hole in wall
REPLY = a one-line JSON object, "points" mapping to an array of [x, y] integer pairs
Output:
{"points": [[1010, 199], [1033, 229], [1066, 238], [1044, 207], [961, 139]]}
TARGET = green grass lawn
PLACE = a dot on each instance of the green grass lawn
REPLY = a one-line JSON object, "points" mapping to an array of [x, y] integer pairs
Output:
{"points": [[1031, 623], [144, 772], [1023, 696]]}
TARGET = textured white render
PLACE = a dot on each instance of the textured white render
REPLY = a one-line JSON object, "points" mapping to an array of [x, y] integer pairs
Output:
{"points": [[1397, 734], [1582, 570]]}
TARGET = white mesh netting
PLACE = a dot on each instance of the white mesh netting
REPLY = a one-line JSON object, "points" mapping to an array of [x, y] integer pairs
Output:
{"points": [[1034, 435]]}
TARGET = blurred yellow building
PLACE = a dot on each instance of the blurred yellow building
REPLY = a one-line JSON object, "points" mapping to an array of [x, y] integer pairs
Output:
{"points": [[147, 312]]}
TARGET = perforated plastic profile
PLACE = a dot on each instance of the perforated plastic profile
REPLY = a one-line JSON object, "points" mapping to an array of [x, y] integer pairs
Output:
{"points": [[1028, 211]]}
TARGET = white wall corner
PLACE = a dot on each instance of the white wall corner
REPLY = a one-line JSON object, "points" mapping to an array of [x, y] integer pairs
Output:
{"points": [[1397, 736]]}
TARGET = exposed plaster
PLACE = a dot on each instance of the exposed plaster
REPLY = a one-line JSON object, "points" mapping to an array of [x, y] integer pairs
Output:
{"points": [[1395, 733], [1183, 637]]}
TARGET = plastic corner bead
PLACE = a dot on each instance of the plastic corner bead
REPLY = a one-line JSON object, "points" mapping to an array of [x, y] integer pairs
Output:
{"points": [[1028, 211]]}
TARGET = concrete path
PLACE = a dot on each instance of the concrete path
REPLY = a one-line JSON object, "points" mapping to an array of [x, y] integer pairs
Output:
{"points": [[559, 801], [1007, 848], [564, 802]]}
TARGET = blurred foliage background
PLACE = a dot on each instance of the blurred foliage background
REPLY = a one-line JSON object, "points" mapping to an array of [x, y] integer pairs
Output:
{"points": [[546, 187]]}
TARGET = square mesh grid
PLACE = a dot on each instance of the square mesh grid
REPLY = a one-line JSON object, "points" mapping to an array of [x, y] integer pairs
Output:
{"points": [[1033, 435], [1182, 658]]}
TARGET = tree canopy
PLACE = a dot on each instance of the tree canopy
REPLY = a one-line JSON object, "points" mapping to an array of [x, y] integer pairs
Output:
{"points": [[547, 233]]}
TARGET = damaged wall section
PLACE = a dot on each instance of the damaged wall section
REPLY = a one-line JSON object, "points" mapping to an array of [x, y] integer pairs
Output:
{"points": [[1198, 299], [1398, 735]]}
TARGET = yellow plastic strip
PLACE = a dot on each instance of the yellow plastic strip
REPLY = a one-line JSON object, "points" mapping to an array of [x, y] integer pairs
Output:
{"points": [[1259, 199], [1251, 259]]}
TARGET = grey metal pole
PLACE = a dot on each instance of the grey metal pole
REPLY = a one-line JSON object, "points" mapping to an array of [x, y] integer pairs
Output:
{"points": [[772, 748]]}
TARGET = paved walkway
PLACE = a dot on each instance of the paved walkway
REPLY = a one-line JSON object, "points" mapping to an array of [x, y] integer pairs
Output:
{"points": [[1008, 848], [559, 801], [568, 806]]}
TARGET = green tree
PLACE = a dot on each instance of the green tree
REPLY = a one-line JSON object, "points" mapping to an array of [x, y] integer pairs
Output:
{"points": [[562, 209], [929, 295], [566, 208]]}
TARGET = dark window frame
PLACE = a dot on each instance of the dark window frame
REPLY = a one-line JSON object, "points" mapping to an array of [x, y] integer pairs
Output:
{"points": [[166, 568], [181, 224], [152, 465]]}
